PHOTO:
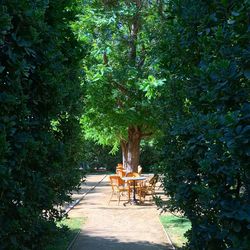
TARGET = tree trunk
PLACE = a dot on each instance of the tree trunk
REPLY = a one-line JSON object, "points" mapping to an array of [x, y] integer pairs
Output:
{"points": [[124, 146], [131, 149], [134, 29]]}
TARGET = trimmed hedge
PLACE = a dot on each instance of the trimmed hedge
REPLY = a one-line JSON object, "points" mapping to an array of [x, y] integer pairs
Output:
{"points": [[40, 100], [207, 142]]}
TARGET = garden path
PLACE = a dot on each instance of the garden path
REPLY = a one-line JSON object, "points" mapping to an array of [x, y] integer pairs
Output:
{"points": [[116, 227]]}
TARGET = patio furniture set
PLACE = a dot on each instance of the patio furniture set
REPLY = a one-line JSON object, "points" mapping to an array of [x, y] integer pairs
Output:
{"points": [[131, 185]]}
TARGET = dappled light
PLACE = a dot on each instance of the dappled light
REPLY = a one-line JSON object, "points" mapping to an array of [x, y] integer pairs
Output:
{"points": [[133, 115], [116, 226]]}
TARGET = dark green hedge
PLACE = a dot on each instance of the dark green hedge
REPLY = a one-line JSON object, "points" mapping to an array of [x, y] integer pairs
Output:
{"points": [[207, 142], [95, 157], [40, 100]]}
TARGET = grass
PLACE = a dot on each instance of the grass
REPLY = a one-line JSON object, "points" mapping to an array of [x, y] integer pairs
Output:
{"points": [[62, 241], [175, 227]]}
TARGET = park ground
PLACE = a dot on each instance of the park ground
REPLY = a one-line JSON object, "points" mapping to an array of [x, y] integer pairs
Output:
{"points": [[113, 226]]}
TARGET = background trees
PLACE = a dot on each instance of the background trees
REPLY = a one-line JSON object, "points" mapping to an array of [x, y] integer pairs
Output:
{"points": [[120, 71], [95, 156], [205, 55], [40, 99]]}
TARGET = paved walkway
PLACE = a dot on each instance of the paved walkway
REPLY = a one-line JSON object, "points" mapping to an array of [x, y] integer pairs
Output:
{"points": [[116, 227]]}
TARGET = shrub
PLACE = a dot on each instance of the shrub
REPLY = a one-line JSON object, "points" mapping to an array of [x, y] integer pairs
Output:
{"points": [[40, 99], [96, 156], [206, 57]]}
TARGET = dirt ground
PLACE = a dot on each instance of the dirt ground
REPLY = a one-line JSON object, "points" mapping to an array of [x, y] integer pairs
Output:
{"points": [[116, 227]]}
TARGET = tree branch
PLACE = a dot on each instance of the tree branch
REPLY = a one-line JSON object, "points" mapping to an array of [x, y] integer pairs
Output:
{"points": [[146, 134]]}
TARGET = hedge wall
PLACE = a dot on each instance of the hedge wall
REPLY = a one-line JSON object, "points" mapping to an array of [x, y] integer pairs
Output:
{"points": [[40, 99], [207, 140]]}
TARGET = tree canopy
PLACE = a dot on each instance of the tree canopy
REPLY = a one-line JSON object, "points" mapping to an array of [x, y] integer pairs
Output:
{"points": [[122, 74]]}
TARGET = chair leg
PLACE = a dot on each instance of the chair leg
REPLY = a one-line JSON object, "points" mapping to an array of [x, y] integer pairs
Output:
{"points": [[119, 197], [110, 197], [140, 194], [153, 193], [143, 193]]}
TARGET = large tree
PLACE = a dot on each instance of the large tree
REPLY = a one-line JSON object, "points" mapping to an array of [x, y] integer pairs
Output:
{"points": [[121, 72]]}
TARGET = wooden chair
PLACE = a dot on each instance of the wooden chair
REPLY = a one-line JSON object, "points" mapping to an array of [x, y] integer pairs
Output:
{"points": [[149, 186], [119, 167], [118, 188], [132, 174], [138, 184], [121, 172]]}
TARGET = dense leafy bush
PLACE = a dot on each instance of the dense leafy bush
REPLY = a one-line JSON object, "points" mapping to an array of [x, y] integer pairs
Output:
{"points": [[40, 99], [95, 157], [207, 151], [150, 156]]}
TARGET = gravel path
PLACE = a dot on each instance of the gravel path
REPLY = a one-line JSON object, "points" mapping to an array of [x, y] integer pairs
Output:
{"points": [[116, 227]]}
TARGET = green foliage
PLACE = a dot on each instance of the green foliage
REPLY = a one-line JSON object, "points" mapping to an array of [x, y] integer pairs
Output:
{"points": [[151, 154], [96, 156], [176, 227], [205, 55], [68, 229], [120, 87], [40, 100]]}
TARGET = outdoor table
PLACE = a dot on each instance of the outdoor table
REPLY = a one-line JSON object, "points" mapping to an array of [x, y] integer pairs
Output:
{"points": [[134, 179]]}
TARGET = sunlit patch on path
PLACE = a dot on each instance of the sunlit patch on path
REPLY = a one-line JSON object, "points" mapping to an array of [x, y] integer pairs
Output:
{"points": [[117, 227]]}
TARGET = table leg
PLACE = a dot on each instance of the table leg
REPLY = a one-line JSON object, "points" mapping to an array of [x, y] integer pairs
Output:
{"points": [[133, 200]]}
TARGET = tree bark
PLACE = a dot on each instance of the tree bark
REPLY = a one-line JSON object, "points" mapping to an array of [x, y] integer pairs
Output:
{"points": [[131, 149], [124, 146], [134, 29]]}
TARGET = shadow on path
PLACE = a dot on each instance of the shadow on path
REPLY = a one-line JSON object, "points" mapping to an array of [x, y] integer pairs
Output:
{"points": [[95, 243], [117, 227]]}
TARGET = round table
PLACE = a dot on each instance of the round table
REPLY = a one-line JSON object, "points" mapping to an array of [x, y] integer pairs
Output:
{"points": [[134, 179]]}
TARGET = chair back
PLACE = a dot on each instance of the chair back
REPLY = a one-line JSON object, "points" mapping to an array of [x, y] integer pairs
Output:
{"points": [[154, 180], [132, 174], [119, 166], [121, 172], [139, 169], [116, 181]]}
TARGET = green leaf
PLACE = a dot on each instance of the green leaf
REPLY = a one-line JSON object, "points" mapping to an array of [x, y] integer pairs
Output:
{"points": [[237, 227], [247, 73], [235, 13], [231, 21], [1, 69]]}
